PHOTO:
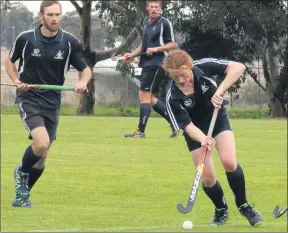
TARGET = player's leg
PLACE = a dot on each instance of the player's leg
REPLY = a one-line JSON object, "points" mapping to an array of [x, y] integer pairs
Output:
{"points": [[51, 124], [210, 185], [158, 105], [147, 77], [225, 144], [33, 153]]}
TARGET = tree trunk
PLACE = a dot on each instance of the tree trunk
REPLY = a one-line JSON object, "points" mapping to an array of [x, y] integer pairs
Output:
{"points": [[87, 99], [276, 105], [231, 100]]}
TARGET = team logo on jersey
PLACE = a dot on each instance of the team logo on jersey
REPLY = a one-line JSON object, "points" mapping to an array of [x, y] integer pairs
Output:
{"points": [[36, 53], [189, 103], [204, 88], [154, 28], [59, 55]]}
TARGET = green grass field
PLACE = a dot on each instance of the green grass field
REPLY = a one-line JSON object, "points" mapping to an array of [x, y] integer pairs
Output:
{"points": [[97, 180]]}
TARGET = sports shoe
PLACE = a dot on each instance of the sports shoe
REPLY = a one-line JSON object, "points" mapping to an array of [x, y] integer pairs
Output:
{"points": [[136, 134], [21, 183], [21, 188], [252, 215], [16, 170], [220, 217], [22, 202]]}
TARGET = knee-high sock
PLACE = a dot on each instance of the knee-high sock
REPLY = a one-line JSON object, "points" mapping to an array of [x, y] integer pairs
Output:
{"points": [[236, 181], [145, 110], [216, 195]]}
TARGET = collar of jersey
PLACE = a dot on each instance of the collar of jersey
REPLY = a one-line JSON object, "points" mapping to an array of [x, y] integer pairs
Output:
{"points": [[39, 36], [156, 21]]}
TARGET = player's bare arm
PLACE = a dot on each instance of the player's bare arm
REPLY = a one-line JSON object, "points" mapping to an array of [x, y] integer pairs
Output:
{"points": [[86, 75], [233, 73], [13, 74], [195, 133]]}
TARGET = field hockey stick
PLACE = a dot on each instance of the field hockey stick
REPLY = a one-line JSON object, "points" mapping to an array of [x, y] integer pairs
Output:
{"points": [[44, 87], [199, 172], [119, 57], [277, 213]]}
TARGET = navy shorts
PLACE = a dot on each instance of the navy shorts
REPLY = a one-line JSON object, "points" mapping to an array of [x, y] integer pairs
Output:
{"points": [[152, 78], [222, 124], [34, 117]]}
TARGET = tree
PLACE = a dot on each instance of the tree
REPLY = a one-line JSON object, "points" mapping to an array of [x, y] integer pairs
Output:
{"points": [[259, 26], [14, 21], [87, 99], [202, 40], [71, 23], [282, 88], [5, 5]]}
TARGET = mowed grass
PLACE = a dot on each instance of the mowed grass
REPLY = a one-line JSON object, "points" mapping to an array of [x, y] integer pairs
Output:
{"points": [[97, 180]]}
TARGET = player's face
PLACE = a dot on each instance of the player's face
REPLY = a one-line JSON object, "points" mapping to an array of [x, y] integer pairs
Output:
{"points": [[182, 77], [51, 17], [154, 9]]}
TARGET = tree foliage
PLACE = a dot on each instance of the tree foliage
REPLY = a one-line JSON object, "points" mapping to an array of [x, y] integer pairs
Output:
{"points": [[240, 30], [13, 22], [5, 5]]}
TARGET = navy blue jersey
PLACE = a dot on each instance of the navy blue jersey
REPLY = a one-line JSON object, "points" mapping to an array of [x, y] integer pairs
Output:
{"points": [[197, 107], [159, 33], [45, 60]]}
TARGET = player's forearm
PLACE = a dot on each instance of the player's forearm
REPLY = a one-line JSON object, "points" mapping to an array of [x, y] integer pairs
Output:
{"points": [[11, 70], [233, 73], [167, 47], [86, 75], [138, 50], [194, 132]]}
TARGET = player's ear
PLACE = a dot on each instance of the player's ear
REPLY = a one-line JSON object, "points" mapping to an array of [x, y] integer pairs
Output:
{"points": [[40, 14]]}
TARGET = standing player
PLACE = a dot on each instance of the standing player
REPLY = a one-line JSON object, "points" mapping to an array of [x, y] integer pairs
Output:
{"points": [[45, 54], [190, 102], [157, 37]]}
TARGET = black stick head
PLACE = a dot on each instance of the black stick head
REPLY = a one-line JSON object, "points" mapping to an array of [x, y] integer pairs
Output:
{"points": [[185, 210], [276, 213]]}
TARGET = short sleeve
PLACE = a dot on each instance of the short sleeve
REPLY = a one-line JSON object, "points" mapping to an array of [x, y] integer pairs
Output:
{"points": [[168, 34], [77, 59], [17, 48]]}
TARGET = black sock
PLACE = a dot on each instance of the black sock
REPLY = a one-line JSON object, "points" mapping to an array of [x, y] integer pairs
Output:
{"points": [[28, 160], [145, 110], [160, 108], [34, 176], [236, 181], [216, 195]]}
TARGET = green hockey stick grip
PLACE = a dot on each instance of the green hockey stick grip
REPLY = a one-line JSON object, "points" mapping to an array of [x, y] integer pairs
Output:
{"points": [[53, 87]]}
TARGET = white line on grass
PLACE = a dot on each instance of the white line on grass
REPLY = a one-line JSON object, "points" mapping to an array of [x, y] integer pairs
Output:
{"points": [[120, 228], [110, 229], [105, 229]]}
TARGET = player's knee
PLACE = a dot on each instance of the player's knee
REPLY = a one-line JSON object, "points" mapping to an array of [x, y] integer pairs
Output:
{"points": [[145, 97], [41, 145], [229, 163], [208, 180]]}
